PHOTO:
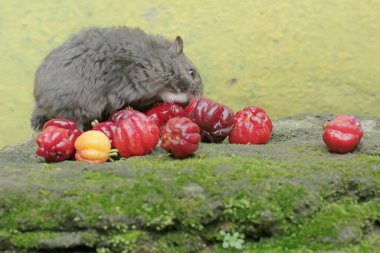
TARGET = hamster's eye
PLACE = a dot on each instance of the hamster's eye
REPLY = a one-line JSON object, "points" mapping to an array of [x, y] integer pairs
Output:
{"points": [[191, 73]]}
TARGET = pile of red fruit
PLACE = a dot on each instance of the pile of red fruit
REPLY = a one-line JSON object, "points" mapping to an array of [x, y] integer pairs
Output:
{"points": [[133, 133]]}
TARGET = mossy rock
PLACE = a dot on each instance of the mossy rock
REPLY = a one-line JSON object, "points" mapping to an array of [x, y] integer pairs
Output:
{"points": [[290, 195]]}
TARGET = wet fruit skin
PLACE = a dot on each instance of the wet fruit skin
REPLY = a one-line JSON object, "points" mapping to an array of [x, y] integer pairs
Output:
{"points": [[136, 135], [62, 123], [256, 114], [251, 126], [107, 127], [247, 132], [214, 119], [117, 116], [161, 113], [67, 124], [92, 146], [346, 119], [180, 137], [343, 134], [54, 144]]}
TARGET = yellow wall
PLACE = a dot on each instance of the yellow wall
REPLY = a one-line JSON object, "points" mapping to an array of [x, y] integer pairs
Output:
{"points": [[288, 56]]}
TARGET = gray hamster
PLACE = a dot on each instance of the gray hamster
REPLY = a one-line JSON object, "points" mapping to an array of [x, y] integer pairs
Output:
{"points": [[101, 70]]}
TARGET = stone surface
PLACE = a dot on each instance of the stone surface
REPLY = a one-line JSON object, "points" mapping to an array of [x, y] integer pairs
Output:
{"points": [[289, 195]]}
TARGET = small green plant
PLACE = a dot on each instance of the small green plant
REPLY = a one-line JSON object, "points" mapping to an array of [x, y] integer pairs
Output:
{"points": [[234, 240], [102, 250]]}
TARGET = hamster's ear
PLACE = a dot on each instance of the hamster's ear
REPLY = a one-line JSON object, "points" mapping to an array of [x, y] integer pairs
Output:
{"points": [[177, 46]]}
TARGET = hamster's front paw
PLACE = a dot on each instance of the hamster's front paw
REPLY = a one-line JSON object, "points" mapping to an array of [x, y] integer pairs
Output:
{"points": [[171, 97]]}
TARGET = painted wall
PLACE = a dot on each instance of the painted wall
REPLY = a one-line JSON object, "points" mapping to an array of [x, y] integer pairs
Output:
{"points": [[289, 56]]}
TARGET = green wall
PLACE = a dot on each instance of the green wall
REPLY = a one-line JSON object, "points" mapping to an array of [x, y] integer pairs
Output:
{"points": [[287, 56]]}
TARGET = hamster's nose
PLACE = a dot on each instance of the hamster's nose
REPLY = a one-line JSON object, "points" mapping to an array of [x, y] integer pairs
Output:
{"points": [[196, 93]]}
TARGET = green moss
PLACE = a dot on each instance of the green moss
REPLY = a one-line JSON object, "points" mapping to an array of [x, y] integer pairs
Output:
{"points": [[121, 242], [333, 228], [29, 240], [174, 205], [108, 192], [179, 242], [36, 239]]}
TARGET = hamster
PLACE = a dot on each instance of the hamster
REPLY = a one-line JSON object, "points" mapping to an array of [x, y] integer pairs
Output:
{"points": [[101, 70]]}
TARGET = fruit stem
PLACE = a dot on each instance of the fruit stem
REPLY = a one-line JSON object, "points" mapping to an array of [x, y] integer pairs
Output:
{"points": [[112, 153], [95, 122]]}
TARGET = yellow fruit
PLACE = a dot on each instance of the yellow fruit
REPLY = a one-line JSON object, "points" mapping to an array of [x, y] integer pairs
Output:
{"points": [[93, 147]]}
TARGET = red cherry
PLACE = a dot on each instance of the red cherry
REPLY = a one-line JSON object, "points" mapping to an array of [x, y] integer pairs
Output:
{"points": [[117, 116], [249, 132], [160, 114], [213, 118], [255, 114], [54, 144], [251, 126], [346, 119], [74, 134], [190, 107], [135, 135], [180, 136], [67, 124], [343, 134]]}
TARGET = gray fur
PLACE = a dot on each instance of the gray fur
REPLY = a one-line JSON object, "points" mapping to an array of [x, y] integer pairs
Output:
{"points": [[102, 70]]}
